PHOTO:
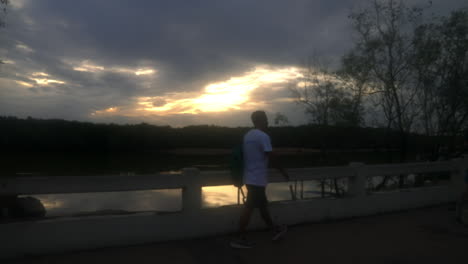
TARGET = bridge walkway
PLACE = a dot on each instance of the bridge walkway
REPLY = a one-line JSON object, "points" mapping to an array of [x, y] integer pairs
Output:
{"points": [[428, 235]]}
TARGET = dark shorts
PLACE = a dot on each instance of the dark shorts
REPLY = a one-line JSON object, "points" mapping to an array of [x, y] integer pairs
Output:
{"points": [[256, 197]]}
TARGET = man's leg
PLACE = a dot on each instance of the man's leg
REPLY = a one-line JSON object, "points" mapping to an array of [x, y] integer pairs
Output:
{"points": [[247, 211], [244, 220], [241, 241], [265, 213], [278, 231]]}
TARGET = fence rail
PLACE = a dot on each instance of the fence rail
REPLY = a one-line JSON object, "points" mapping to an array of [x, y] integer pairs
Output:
{"points": [[191, 177], [57, 235]]}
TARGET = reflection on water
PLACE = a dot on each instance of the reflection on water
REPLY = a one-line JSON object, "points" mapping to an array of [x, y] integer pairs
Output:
{"points": [[216, 196], [227, 195], [168, 200], [105, 202]]}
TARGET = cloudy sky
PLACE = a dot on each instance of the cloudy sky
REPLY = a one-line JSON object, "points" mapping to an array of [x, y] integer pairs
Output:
{"points": [[172, 62]]}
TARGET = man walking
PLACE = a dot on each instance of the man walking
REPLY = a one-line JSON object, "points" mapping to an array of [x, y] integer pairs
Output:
{"points": [[257, 153]]}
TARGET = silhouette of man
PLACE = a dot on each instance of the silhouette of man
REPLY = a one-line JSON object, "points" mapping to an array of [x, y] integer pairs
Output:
{"points": [[258, 152]]}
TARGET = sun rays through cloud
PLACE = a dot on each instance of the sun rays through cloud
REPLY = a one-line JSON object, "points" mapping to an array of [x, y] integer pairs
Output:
{"points": [[230, 95], [84, 61]]}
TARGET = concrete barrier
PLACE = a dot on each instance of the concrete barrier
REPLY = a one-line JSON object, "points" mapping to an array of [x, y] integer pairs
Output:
{"points": [[41, 236]]}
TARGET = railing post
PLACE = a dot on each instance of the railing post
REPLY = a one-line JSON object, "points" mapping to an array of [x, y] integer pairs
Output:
{"points": [[457, 177], [192, 192], [357, 183]]}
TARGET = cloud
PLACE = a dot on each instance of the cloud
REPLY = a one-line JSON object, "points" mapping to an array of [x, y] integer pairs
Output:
{"points": [[24, 48], [158, 102], [162, 55], [220, 97]]}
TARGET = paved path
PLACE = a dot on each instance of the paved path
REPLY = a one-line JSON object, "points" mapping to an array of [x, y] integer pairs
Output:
{"points": [[420, 236]]}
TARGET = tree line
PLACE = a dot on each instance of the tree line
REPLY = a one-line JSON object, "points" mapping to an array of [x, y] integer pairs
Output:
{"points": [[53, 135]]}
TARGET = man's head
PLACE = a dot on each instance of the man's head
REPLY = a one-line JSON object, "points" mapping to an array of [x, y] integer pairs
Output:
{"points": [[260, 120]]}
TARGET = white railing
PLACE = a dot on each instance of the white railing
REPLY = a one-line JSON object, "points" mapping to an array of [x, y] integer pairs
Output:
{"points": [[61, 234]]}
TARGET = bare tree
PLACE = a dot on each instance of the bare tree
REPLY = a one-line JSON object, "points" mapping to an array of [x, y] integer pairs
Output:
{"points": [[441, 63], [383, 52], [328, 97], [281, 119]]}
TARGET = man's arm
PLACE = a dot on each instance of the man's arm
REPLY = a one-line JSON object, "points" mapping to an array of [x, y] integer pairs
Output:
{"points": [[275, 163]]}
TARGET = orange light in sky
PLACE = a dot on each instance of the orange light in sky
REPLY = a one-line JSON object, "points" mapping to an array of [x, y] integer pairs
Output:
{"points": [[40, 74], [44, 81], [232, 94], [24, 83], [90, 66], [144, 72], [222, 96], [105, 111]]}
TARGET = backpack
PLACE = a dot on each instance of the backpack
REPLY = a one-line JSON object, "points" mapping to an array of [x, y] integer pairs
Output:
{"points": [[236, 168]]}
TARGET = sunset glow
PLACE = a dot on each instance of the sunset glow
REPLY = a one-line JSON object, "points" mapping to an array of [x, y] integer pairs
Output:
{"points": [[144, 72], [177, 66], [92, 67], [222, 96], [40, 74], [45, 81], [105, 111], [24, 48], [88, 68], [24, 83]]}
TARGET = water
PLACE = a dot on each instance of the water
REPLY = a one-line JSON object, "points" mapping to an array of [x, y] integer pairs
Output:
{"points": [[227, 195], [111, 202], [168, 200]]}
